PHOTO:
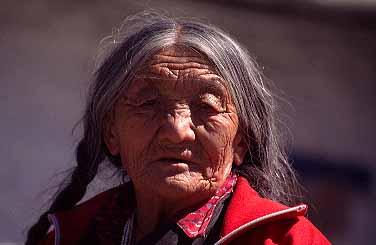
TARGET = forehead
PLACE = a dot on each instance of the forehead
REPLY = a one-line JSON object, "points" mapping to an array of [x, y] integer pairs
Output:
{"points": [[178, 68]]}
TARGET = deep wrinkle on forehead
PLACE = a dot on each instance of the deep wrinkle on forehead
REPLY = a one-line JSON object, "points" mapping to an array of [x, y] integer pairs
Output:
{"points": [[178, 71], [152, 86]]}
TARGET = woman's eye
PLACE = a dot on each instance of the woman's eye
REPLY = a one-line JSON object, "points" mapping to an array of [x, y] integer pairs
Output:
{"points": [[210, 108], [150, 102], [206, 106], [211, 103]]}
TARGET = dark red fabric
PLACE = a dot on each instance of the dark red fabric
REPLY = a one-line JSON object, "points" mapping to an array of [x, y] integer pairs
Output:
{"points": [[74, 223], [245, 205]]}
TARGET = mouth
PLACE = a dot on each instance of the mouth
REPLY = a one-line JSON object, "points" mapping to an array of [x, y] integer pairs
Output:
{"points": [[184, 157], [174, 164], [174, 160]]}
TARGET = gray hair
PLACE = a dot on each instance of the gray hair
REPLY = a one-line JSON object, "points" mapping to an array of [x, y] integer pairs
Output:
{"points": [[266, 166]]}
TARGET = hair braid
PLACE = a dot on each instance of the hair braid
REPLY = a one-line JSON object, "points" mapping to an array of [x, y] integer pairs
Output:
{"points": [[265, 166], [81, 176]]}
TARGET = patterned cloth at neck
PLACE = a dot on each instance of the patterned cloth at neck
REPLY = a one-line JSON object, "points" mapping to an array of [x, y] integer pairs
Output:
{"points": [[196, 222]]}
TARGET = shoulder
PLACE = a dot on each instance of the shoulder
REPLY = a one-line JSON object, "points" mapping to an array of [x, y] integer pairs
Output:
{"points": [[252, 219], [83, 212], [292, 231], [69, 225]]}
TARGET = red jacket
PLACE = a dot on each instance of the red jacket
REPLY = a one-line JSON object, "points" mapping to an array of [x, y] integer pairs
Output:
{"points": [[249, 219]]}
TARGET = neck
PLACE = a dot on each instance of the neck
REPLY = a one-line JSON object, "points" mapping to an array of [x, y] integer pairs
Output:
{"points": [[152, 211]]}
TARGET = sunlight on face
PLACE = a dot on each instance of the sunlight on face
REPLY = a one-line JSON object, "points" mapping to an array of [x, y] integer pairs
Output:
{"points": [[175, 127]]}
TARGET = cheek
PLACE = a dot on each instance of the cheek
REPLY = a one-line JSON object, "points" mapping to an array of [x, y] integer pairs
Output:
{"points": [[217, 137], [135, 135]]}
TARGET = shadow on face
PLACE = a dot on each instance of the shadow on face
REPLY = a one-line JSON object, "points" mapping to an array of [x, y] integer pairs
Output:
{"points": [[175, 127]]}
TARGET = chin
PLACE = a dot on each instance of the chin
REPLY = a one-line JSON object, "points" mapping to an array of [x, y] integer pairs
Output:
{"points": [[181, 185]]}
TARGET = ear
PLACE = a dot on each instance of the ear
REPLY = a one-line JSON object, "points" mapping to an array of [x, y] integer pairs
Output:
{"points": [[111, 138], [240, 149]]}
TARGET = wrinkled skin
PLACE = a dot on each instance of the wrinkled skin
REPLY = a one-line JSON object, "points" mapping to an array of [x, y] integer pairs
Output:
{"points": [[175, 129]]}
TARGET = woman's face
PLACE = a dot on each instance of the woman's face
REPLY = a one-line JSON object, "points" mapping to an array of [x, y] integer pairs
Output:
{"points": [[175, 127]]}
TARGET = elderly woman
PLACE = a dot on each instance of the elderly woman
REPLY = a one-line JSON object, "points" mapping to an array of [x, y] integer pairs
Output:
{"points": [[182, 109]]}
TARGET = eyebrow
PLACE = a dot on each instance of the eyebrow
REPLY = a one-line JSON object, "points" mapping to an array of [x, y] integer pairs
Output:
{"points": [[216, 88], [142, 92]]}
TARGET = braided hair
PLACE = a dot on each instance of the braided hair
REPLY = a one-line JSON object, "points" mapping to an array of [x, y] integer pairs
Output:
{"points": [[265, 166]]}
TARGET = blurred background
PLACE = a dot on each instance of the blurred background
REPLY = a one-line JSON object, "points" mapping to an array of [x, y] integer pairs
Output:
{"points": [[321, 56]]}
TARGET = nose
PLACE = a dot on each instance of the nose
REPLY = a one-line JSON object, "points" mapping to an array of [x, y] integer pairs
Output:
{"points": [[178, 127]]}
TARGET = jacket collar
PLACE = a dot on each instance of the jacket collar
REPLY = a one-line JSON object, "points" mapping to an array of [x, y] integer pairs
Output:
{"points": [[70, 225], [247, 210]]}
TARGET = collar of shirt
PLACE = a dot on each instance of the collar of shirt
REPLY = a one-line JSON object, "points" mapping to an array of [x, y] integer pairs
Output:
{"points": [[115, 221], [196, 223]]}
